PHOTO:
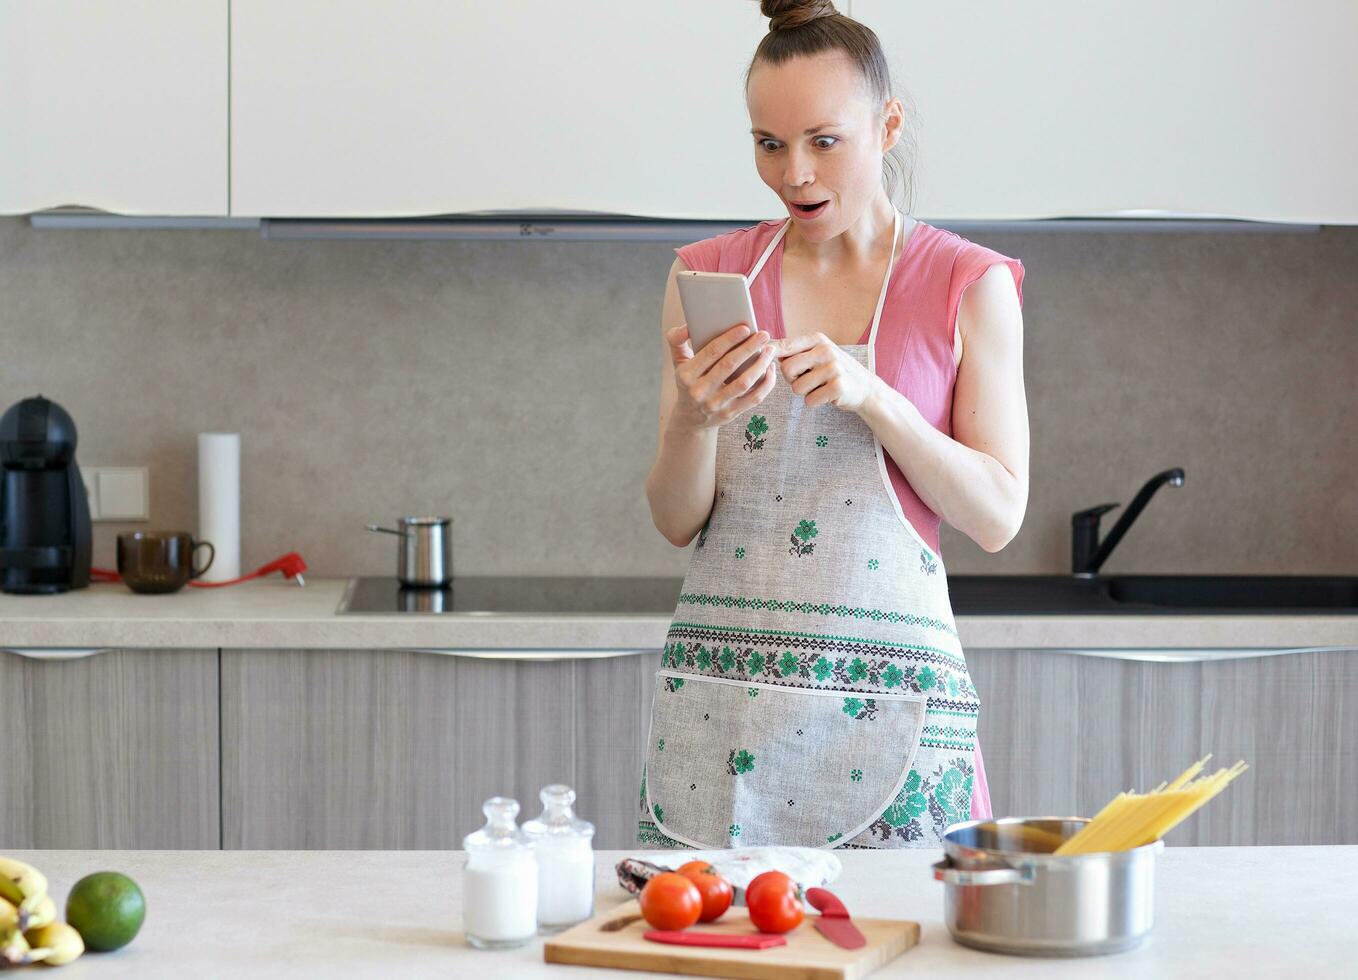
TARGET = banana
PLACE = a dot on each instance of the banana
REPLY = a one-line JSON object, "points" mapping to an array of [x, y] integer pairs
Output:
{"points": [[14, 949], [9, 916], [58, 941], [23, 885], [45, 912]]}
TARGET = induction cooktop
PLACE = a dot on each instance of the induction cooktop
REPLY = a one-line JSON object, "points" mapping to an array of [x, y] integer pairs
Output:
{"points": [[517, 595]]}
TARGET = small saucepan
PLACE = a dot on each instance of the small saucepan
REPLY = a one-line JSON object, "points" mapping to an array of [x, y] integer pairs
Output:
{"points": [[425, 560]]}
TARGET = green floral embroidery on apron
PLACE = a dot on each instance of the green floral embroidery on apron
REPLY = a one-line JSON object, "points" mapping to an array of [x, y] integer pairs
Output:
{"points": [[817, 608], [865, 672], [927, 565], [822, 441], [931, 802], [872, 563], [754, 429], [740, 552], [860, 710], [801, 538], [739, 762]]}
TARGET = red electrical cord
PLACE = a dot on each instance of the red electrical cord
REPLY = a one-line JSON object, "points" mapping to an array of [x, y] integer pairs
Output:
{"points": [[290, 565]]}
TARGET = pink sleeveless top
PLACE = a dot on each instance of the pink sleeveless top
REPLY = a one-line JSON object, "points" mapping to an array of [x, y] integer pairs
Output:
{"points": [[914, 352]]}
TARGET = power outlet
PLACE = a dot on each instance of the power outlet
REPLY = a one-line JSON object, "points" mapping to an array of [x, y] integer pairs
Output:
{"points": [[118, 493]]}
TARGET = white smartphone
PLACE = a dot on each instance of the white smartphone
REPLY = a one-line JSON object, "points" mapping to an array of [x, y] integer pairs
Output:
{"points": [[713, 303]]}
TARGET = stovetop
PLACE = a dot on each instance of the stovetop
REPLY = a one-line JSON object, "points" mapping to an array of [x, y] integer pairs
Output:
{"points": [[512, 594]]}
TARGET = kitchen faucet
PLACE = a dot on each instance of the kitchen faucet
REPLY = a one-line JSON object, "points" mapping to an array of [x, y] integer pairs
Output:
{"points": [[1086, 553]]}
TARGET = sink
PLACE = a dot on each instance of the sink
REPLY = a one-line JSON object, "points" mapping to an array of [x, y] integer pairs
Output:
{"points": [[998, 595], [1238, 592]]}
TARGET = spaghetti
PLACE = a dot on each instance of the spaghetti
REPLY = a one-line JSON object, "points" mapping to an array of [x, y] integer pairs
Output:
{"points": [[1134, 819]]}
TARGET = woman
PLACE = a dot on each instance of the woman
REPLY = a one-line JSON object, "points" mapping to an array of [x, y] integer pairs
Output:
{"points": [[812, 689]]}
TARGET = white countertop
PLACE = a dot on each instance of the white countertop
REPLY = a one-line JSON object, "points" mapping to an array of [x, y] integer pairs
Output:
{"points": [[1268, 912], [274, 613]]}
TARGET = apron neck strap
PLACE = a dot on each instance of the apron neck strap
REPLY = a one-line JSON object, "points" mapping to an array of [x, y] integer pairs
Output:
{"points": [[886, 278], [749, 279]]}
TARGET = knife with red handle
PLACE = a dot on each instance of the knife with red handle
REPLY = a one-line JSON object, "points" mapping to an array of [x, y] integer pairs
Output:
{"points": [[690, 937], [833, 922]]}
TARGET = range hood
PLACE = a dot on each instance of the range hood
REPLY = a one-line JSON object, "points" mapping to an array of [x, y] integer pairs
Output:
{"points": [[582, 226]]}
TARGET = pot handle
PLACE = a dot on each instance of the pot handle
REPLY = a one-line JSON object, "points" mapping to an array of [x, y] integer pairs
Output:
{"points": [[387, 530], [946, 873]]}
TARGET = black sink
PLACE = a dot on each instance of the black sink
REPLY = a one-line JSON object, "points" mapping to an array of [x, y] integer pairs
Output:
{"points": [[1238, 592], [998, 595]]}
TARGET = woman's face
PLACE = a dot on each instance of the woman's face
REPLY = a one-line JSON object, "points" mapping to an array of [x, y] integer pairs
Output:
{"points": [[818, 136]]}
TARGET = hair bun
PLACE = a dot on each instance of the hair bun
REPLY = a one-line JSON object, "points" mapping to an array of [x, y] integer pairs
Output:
{"points": [[784, 15]]}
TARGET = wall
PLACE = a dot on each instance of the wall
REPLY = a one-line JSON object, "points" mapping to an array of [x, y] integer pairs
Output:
{"points": [[513, 386]]}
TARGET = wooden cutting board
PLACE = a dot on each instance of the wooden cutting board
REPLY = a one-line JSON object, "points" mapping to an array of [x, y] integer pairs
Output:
{"points": [[807, 956]]}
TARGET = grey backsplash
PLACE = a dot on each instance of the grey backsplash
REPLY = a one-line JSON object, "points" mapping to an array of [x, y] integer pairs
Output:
{"points": [[513, 386]]}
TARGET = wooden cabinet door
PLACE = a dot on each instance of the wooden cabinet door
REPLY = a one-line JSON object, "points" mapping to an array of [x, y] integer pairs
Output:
{"points": [[357, 108], [399, 749], [1062, 734], [113, 750], [1066, 108], [115, 106]]}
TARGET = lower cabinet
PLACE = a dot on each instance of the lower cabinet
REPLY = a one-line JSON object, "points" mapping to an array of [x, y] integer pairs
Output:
{"points": [[399, 749], [1064, 733], [111, 749]]}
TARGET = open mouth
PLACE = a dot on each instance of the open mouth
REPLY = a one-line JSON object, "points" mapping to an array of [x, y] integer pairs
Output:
{"points": [[809, 210]]}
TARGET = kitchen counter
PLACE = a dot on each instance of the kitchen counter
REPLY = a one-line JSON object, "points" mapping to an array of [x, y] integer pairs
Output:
{"points": [[1220, 911], [276, 614]]}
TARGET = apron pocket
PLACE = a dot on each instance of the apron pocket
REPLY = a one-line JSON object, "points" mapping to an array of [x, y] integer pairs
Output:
{"points": [[735, 763]]}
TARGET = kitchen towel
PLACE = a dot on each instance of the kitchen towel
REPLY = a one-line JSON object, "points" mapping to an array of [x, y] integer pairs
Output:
{"points": [[808, 866], [219, 502]]}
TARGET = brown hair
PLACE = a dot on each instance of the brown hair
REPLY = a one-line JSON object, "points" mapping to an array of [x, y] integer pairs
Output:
{"points": [[800, 28]]}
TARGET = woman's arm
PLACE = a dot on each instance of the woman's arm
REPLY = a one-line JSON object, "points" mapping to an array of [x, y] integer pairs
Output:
{"points": [[683, 477], [977, 480]]}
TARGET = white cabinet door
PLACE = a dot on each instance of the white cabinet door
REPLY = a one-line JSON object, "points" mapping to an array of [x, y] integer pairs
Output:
{"points": [[1236, 108], [117, 106], [361, 108]]}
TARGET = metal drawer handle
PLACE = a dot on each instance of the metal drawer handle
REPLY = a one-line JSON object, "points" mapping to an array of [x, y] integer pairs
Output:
{"points": [[532, 653], [946, 873], [54, 653], [1188, 655]]}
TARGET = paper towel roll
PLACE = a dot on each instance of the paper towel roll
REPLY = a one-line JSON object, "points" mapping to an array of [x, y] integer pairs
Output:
{"points": [[219, 501]]}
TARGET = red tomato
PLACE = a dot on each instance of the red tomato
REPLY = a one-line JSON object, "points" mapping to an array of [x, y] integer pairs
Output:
{"points": [[671, 901], [774, 902], [716, 890]]}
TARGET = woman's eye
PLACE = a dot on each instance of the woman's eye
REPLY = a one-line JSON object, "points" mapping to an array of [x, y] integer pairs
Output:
{"points": [[833, 139], [764, 145]]}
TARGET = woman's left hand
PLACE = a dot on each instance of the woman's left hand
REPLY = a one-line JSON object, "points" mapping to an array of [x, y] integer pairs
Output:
{"points": [[817, 369]]}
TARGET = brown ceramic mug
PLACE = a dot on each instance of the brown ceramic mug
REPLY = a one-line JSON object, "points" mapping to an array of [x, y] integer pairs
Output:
{"points": [[160, 561]]}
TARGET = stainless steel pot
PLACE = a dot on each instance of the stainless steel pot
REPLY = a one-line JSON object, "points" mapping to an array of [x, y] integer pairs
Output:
{"points": [[1004, 891], [425, 560]]}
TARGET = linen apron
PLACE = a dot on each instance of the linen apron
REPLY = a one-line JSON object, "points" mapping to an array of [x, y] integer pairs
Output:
{"points": [[812, 688]]}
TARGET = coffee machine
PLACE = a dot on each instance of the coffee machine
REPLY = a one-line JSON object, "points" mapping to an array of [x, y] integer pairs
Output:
{"points": [[44, 510]]}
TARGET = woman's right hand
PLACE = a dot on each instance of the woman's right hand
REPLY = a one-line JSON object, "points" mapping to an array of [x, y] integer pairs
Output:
{"points": [[705, 399]]}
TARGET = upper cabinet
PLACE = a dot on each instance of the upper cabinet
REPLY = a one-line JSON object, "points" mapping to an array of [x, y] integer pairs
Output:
{"points": [[1071, 108], [360, 108], [117, 106], [356, 108]]}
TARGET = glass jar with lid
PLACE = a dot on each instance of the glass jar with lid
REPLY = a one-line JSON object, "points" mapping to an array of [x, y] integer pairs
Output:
{"points": [[564, 845], [499, 880]]}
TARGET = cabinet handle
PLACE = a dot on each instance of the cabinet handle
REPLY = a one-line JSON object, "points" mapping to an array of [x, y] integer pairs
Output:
{"points": [[54, 653], [530, 653], [1188, 655]]}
